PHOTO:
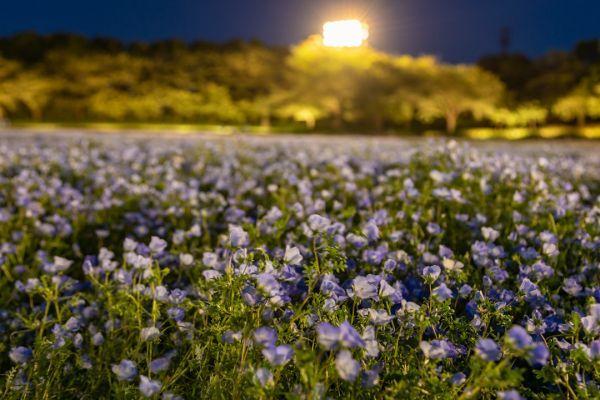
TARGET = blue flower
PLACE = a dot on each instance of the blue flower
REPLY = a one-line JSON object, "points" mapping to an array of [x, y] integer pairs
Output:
{"points": [[438, 349], [538, 356], [265, 336], [149, 387], [458, 379], [318, 223], [371, 231], [264, 377], [157, 245], [328, 335], [150, 333], [97, 339], [442, 293], [510, 395], [349, 337], [238, 237], [20, 354], [278, 355], [160, 364], [176, 313], [126, 370], [431, 273], [488, 350], [519, 337], [366, 287], [292, 256], [346, 366]]}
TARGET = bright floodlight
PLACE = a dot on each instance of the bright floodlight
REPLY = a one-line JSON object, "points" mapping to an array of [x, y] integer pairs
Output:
{"points": [[345, 33]]}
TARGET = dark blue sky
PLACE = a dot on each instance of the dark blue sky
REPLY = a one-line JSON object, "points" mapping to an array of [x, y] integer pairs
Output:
{"points": [[455, 30]]}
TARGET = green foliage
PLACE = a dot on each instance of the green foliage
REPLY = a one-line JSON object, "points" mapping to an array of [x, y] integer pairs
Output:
{"points": [[68, 78]]}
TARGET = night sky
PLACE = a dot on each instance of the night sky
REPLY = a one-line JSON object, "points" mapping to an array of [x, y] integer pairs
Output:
{"points": [[454, 30]]}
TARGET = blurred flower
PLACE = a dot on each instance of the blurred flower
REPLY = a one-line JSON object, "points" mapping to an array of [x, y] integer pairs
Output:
{"points": [[126, 370], [346, 366]]}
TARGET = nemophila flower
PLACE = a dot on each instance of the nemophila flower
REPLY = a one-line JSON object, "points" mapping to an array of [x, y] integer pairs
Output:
{"points": [[434, 229], [328, 335], [238, 237], [488, 350], [149, 387], [59, 264], [529, 289], [97, 339], [371, 344], [186, 259], [371, 231], [510, 395], [176, 313], [318, 223], [265, 336], [489, 234], [278, 355], [572, 287], [594, 350], [211, 274], [452, 265], [264, 377], [458, 379], [349, 337], [160, 364], [149, 333], [292, 256], [431, 273], [370, 378], [518, 336], [590, 325], [538, 356], [177, 296], [126, 370], [231, 337], [394, 294], [346, 366], [20, 354], [442, 292], [357, 241], [377, 316], [550, 249], [366, 287], [438, 349], [465, 290], [157, 245]]}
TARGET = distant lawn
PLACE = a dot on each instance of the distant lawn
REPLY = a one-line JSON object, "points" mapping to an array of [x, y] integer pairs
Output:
{"points": [[546, 132]]}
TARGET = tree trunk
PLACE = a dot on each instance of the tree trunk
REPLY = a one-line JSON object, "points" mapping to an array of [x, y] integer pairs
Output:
{"points": [[378, 122], [337, 120], [310, 122], [265, 119], [451, 119], [581, 120]]}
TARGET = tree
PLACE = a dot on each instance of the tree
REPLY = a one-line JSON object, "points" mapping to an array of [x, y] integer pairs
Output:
{"points": [[454, 90], [581, 102], [528, 114], [21, 88], [327, 78]]}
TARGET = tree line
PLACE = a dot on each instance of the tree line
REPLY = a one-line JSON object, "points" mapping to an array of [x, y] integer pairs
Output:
{"points": [[65, 77]]}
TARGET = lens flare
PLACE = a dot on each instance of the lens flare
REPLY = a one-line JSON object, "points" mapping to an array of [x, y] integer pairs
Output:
{"points": [[345, 33]]}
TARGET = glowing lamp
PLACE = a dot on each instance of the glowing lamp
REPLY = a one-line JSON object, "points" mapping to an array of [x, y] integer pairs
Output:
{"points": [[345, 33]]}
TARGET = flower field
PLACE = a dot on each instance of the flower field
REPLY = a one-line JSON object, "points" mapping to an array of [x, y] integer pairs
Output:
{"points": [[187, 269]]}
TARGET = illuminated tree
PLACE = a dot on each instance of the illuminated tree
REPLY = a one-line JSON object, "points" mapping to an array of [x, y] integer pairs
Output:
{"points": [[454, 90], [19, 88], [582, 102], [528, 114], [327, 77]]}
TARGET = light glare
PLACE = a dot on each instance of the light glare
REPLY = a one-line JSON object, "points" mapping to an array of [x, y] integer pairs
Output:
{"points": [[345, 33]]}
